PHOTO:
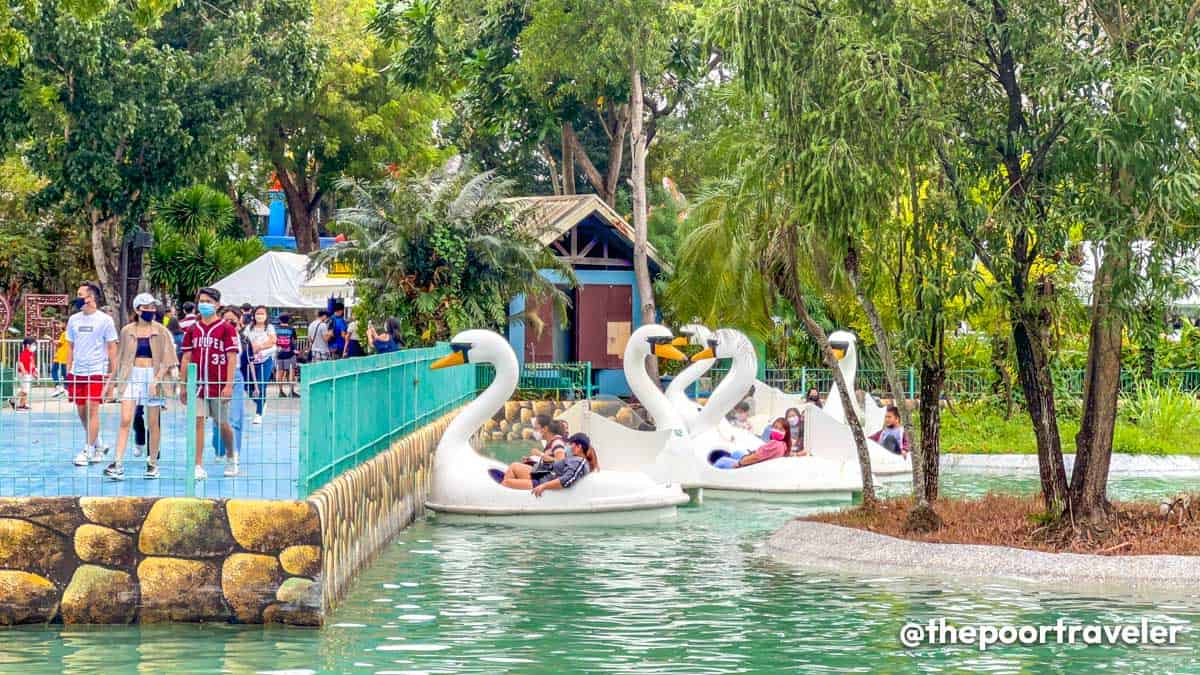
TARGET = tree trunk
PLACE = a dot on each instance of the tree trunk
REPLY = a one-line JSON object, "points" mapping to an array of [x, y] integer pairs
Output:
{"points": [[1101, 387], [555, 178], [1033, 372], [787, 284], [616, 151], [301, 206], [106, 256], [243, 213], [899, 397], [933, 378], [637, 156], [568, 159]]}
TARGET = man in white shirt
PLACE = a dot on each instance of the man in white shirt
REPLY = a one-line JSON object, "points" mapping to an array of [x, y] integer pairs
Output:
{"points": [[318, 331], [91, 359]]}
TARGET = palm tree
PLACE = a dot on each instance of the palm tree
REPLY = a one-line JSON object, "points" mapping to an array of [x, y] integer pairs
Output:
{"points": [[442, 253]]}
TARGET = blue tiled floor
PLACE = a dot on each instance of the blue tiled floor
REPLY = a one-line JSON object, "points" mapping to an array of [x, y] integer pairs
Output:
{"points": [[37, 448]]}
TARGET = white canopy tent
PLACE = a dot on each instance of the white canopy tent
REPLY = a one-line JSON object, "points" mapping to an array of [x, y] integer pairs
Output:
{"points": [[281, 279]]}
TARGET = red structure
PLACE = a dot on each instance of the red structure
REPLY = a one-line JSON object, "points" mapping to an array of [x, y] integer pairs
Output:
{"points": [[37, 324]]}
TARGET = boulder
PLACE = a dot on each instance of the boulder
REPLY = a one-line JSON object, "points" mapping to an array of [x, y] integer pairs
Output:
{"points": [[625, 416], [503, 425], [104, 546], [526, 415], [186, 526], [60, 514], [28, 598], [100, 595], [527, 434], [33, 548], [511, 410], [543, 408], [301, 561], [174, 589], [497, 436], [292, 615], [249, 582], [488, 425], [119, 513], [512, 436], [606, 407], [295, 590], [271, 526]]}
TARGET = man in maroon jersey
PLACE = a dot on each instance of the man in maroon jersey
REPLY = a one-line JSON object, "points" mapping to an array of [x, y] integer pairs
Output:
{"points": [[211, 344]]}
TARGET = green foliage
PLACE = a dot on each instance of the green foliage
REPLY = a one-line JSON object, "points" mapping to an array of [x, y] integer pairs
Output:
{"points": [[1166, 428], [193, 246], [441, 253]]}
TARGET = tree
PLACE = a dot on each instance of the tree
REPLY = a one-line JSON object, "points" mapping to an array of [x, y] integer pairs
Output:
{"points": [[197, 241], [116, 115], [441, 253]]}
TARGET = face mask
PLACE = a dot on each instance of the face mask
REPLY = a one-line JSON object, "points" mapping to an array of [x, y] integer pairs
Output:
{"points": [[77, 304], [246, 318], [794, 421], [147, 316], [206, 309], [260, 318], [776, 435]]}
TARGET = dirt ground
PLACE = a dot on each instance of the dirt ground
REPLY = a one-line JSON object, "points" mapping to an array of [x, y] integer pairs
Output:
{"points": [[1003, 520]]}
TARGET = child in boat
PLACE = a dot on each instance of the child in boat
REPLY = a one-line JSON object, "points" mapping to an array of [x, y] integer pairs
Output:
{"points": [[563, 472], [892, 436], [776, 447], [741, 416], [795, 421]]}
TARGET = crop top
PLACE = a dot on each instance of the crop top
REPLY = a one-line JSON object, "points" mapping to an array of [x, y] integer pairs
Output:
{"points": [[143, 349]]}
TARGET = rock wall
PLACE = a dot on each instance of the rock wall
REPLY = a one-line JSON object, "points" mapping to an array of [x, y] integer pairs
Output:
{"points": [[515, 421], [129, 559], [362, 509]]}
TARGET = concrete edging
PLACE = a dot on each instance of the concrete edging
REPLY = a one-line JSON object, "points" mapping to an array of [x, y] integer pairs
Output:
{"points": [[1122, 464], [843, 549]]}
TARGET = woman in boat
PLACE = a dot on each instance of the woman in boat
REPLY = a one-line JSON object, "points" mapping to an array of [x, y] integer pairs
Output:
{"points": [[776, 447], [563, 472], [537, 464]]}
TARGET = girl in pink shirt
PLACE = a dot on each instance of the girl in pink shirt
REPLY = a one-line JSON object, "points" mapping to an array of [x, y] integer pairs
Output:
{"points": [[778, 446]]}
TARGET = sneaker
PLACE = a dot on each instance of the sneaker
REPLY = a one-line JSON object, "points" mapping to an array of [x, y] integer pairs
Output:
{"points": [[139, 450], [23, 407], [82, 458], [115, 471], [199, 473], [98, 454], [220, 459], [257, 419], [231, 470], [151, 470]]}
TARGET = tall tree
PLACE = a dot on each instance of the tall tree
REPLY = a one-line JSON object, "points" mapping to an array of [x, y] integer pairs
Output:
{"points": [[123, 114]]}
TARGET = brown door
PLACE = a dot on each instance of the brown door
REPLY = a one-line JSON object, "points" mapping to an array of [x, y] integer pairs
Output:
{"points": [[539, 344], [603, 315]]}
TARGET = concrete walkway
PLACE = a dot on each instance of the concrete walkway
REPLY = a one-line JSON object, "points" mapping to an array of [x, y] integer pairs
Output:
{"points": [[842, 549]]}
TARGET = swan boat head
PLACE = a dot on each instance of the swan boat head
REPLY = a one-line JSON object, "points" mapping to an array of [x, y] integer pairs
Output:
{"points": [[652, 340], [471, 347], [845, 350]]}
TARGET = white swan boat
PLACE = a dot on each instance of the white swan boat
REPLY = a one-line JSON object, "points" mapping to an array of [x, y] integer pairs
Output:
{"points": [[688, 409], [826, 433], [671, 453], [466, 486]]}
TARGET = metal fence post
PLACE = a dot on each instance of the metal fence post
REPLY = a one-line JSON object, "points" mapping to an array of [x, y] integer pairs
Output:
{"points": [[189, 477], [803, 380], [912, 382], [302, 448]]}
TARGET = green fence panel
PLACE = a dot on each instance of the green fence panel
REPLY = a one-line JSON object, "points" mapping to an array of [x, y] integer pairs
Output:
{"points": [[571, 380], [353, 409]]}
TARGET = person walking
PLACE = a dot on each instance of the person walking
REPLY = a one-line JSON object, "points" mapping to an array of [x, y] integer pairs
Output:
{"points": [[318, 337], [237, 402], [145, 360], [285, 356], [93, 357], [213, 345], [62, 354], [261, 336], [337, 331], [26, 373]]}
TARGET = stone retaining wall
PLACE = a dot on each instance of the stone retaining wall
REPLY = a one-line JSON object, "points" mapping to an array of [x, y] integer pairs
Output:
{"points": [[129, 559], [515, 421], [362, 509]]}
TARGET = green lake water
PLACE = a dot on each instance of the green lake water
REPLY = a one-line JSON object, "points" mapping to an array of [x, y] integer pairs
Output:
{"points": [[693, 596]]}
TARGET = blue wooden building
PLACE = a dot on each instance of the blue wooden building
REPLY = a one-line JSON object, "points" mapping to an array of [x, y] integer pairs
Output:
{"points": [[597, 243]]}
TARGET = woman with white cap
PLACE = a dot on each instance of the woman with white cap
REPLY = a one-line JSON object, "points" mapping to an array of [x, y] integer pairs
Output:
{"points": [[145, 359]]}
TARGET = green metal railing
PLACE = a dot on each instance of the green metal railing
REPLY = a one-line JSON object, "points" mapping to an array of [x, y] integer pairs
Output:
{"points": [[1068, 381], [547, 380], [353, 409]]}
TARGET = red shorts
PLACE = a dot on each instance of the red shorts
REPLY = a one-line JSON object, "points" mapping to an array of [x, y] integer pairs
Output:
{"points": [[85, 388]]}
